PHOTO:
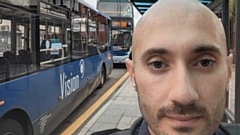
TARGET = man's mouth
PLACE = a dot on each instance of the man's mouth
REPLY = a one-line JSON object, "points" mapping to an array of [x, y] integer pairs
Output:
{"points": [[183, 120]]}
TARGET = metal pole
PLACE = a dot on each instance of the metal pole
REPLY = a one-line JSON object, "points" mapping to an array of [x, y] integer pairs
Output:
{"points": [[226, 22], [237, 78]]}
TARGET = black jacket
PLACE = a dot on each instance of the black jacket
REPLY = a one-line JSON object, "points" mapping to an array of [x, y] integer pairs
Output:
{"points": [[223, 129]]}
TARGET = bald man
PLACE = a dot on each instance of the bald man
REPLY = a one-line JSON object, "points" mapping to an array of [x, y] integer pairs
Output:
{"points": [[180, 70]]}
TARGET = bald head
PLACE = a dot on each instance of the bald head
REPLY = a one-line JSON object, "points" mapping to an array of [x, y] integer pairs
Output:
{"points": [[178, 17], [180, 58]]}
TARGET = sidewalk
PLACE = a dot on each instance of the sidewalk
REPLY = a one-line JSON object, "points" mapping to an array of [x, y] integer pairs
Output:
{"points": [[119, 112]]}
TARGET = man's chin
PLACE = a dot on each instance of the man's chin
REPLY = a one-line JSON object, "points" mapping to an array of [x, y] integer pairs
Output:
{"points": [[183, 129], [192, 127]]}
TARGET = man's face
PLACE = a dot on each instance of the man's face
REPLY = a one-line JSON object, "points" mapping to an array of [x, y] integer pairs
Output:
{"points": [[181, 72]]}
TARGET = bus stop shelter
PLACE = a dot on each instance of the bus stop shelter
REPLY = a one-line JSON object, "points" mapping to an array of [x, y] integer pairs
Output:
{"points": [[222, 10]]}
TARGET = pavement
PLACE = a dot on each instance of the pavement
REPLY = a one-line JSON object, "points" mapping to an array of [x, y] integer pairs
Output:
{"points": [[119, 112], [122, 109]]}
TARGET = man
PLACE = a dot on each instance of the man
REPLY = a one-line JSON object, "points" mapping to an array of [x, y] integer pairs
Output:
{"points": [[180, 70]]}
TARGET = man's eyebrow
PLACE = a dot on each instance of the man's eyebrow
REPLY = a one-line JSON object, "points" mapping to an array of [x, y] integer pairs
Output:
{"points": [[154, 51], [198, 49], [207, 48]]}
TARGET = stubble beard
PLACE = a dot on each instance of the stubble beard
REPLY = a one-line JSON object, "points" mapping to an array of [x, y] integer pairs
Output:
{"points": [[211, 120]]}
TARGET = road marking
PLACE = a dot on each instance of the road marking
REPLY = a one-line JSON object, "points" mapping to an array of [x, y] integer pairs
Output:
{"points": [[77, 123]]}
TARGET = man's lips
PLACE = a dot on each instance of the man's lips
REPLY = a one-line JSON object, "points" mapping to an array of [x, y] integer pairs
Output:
{"points": [[183, 120]]}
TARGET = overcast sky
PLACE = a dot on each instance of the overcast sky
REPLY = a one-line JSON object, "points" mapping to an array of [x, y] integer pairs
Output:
{"points": [[137, 15]]}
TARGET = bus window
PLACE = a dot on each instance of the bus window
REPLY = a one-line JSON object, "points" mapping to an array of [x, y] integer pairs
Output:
{"points": [[15, 42], [92, 41], [54, 46], [79, 36]]}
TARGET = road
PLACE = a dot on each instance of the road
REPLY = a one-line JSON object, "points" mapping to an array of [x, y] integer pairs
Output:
{"points": [[117, 73]]}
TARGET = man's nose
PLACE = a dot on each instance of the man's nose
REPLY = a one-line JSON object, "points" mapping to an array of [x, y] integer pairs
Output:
{"points": [[182, 89]]}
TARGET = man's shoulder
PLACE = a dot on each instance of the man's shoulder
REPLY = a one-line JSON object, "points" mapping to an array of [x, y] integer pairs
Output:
{"points": [[232, 129]]}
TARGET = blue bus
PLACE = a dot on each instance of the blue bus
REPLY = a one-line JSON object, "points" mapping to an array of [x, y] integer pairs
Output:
{"points": [[53, 54], [121, 14]]}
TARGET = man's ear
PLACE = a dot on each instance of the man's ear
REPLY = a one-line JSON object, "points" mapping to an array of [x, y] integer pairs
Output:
{"points": [[129, 65], [230, 61]]}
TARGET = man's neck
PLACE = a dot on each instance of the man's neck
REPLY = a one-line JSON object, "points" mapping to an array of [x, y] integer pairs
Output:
{"points": [[150, 131]]}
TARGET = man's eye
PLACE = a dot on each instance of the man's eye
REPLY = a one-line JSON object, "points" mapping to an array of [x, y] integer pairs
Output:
{"points": [[157, 65], [206, 63]]}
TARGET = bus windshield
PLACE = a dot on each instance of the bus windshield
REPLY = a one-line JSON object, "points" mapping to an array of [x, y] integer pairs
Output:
{"points": [[122, 39]]}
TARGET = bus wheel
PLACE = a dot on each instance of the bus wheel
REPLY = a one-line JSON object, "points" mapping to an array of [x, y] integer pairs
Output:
{"points": [[10, 127], [103, 76]]}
